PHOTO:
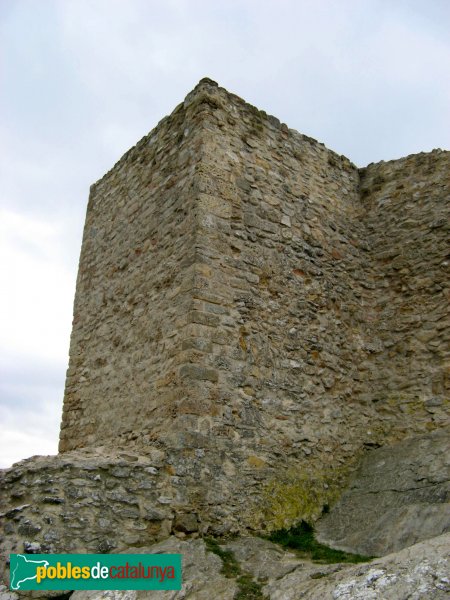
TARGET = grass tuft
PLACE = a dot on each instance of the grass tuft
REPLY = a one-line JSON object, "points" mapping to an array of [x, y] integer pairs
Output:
{"points": [[301, 538], [248, 588], [230, 566]]}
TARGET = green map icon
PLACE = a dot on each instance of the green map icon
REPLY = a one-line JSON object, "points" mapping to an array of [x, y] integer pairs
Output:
{"points": [[24, 569]]}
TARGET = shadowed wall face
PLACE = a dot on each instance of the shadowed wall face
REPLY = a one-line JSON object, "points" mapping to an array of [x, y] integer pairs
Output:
{"points": [[133, 291], [407, 204]]}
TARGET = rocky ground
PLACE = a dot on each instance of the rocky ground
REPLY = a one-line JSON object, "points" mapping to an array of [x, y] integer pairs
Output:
{"points": [[265, 571], [396, 507]]}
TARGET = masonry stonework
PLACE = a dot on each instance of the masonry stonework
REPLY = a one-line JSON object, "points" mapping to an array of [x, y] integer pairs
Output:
{"points": [[252, 313], [251, 303], [407, 209]]}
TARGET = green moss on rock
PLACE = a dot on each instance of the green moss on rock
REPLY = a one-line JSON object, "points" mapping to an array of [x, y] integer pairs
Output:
{"points": [[294, 496]]}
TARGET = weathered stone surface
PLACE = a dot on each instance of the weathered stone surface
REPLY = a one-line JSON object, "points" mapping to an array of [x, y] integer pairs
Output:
{"points": [[245, 292], [202, 579], [5, 594], [400, 495], [420, 572], [263, 559], [107, 502], [268, 562], [252, 313]]}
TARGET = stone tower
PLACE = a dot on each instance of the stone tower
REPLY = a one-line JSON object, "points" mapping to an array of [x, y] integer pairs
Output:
{"points": [[252, 313], [253, 306]]}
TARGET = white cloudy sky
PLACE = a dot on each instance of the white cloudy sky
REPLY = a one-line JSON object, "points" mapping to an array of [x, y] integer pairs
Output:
{"points": [[82, 80]]}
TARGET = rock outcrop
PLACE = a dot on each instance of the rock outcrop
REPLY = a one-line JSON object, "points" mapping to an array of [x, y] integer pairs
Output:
{"points": [[420, 572], [92, 502], [400, 495]]}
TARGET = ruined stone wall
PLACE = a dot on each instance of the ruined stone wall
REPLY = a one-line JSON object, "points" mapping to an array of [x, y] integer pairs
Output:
{"points": [[254, 307], [81, 502], [407, 206], [220, 308], [252, 313]]}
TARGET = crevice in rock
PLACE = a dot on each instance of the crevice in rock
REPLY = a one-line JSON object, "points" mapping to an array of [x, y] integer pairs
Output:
{"points": [[248, 587], [404, 490]]}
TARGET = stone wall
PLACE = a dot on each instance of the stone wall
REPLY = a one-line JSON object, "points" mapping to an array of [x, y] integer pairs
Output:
{"points": [[133, 292], [407, 205], [255, 307], [85, 501], [252, 313], [288, 280], [81, 501], [91, 501]]}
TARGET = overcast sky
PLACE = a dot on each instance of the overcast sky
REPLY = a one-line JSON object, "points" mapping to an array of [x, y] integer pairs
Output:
{"points": [[81, 81]]}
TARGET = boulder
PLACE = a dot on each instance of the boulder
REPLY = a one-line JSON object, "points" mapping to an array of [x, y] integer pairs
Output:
{"points": [[400, 495], [420, 572]]}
